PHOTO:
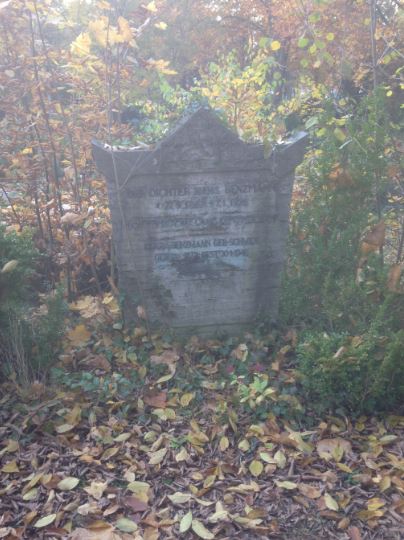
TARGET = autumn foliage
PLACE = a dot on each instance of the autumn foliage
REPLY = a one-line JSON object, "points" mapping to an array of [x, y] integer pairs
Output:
{"points": [[115, 433]]}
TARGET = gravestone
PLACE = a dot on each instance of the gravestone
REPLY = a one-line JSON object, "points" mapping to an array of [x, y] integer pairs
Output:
{"points": [[199, 225]]}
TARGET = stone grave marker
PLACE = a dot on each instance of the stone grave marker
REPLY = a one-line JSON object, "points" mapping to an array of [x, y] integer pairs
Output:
{"points": [[200, 225]]}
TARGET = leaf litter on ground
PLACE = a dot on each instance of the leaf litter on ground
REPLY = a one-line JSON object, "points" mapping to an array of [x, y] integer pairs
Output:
{"points": [[179, 456]]}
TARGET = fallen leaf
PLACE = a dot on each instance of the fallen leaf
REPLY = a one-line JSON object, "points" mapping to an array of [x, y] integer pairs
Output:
{"points": [[10, 467], [329, 448], [186, 522], [354, 533], [79, 335], [157, 457], [68, 483], [256, 467], [286, 484], [186, 399], [64, 428], [330, 502], [45, 521], [135, 504], [201, 531], [180, 498], [309, 491], [126, 525], [96, 489], [223, 443], [280, 459]]}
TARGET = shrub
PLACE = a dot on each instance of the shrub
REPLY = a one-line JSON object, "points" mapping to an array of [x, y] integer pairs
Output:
{"points": [[330, 282], [29, 337], [361, 374]]}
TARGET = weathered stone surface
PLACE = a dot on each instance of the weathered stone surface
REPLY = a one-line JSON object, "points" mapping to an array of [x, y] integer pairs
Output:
{"points": [[199, 225]]}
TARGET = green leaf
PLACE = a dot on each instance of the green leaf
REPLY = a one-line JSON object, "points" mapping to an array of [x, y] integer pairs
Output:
{"points": [[30, 495], [180, 498], [68, 483], [330, 502], [186, 522], [303, 42], [199, 529], [286, 484], [126, 525], [45, 521], [256, 467]]}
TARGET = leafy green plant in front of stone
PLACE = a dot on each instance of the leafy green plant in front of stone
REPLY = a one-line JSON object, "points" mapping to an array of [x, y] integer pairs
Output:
{"points": [[359, 374], [101, 388]]}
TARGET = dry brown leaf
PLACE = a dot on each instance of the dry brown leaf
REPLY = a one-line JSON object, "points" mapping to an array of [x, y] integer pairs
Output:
{"points": [[354, 533], [309, 491]]}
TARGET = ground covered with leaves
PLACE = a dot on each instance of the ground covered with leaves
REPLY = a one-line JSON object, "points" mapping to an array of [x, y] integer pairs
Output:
{"points": [[142, 437]]}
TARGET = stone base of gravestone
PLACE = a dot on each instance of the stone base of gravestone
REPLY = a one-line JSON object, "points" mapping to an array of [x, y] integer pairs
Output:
{"points": [[200, 225]]}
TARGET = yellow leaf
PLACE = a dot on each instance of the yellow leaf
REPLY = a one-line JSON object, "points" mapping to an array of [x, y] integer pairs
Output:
{"points": [[330, 502], [180, 498], [182, 455], [165, 378], [81, 45], [157, 457], [96, 489], [140, 489], [344, 468], [161, 25], [12, 446], [186, 399], [68, 483], [339, 134], [186, 522], [45, 521], [244, 445], [126, 525], [224, 444], [125, 29], [209, 481], [256, 467], [27, 151], [64, 428], [9, 266], [280, 459], [201, 531], [267, 457], [10, 467], [275, 45], [375, 504], [30, 495], [385, 483], [100, 30], [286, 484], [79, 335], [109, 453], [151, 6]]}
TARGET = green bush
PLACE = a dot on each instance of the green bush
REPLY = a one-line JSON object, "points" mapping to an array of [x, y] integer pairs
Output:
{"points": [[329, 283], [14, 284], [360, 374], [29, 337]]}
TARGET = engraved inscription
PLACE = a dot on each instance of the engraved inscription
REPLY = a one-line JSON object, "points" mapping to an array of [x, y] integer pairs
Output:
{"points": [[199, 226]]}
